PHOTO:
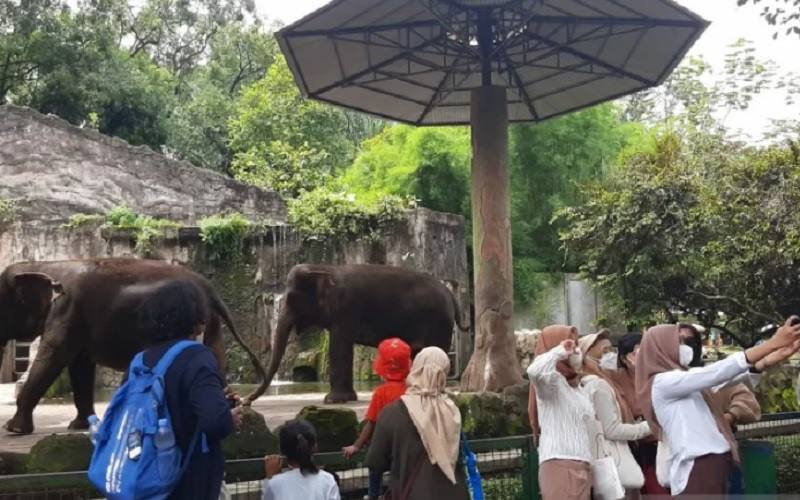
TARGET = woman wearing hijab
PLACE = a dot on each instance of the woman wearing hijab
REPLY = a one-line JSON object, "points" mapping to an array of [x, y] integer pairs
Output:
{"points": [[677, 402], [612, 410], [623, 378], [559, 412], [418, 437]]}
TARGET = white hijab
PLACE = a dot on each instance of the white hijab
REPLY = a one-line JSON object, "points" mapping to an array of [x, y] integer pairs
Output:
{"points": [[435, 416]]}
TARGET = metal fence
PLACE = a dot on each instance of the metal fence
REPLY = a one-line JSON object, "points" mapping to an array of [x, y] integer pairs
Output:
{"points": [[783, 431], [508, 467]]}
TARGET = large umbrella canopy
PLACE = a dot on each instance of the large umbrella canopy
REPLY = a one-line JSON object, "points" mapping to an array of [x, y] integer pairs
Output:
{"points": [[486, 63], [416, 61]]}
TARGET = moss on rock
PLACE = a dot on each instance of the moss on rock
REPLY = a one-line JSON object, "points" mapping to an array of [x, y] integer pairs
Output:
{"points": [[61, 453], [490, 415], [253, 440], [13, 463], [336, 427]]}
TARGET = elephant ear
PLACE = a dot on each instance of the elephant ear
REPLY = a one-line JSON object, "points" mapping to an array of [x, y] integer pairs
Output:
{"points": [[35, 291]]}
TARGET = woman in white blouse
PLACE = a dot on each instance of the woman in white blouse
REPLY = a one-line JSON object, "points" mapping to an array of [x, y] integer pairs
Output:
{"points": [[560, 411], [675, 402], [612, 411]]}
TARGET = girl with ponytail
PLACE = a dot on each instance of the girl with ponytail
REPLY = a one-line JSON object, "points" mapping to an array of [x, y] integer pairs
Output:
{"points": [[303, 480]]}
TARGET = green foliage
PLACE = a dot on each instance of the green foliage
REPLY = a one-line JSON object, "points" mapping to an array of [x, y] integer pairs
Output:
{"points": [[779, 13], [704, 229], [224, 235], [8, 212], [61, 387], [787, 463], [430, 164], [289, 170], [508, 487], [80, 220], [145, 229], [324, 214], [776, 391]]}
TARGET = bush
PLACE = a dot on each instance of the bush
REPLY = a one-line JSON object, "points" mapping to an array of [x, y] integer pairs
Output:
{"points": [[146, 229], [224, 235], [8, 212], [79, 220], [322, 214]]}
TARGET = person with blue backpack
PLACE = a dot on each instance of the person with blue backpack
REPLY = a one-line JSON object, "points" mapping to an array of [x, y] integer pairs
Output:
{"points": [[161, 435]]}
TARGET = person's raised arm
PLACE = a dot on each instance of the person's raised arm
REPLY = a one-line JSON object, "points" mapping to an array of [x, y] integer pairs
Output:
{"points": [[543, 372], [207, 397], [606, 411]]}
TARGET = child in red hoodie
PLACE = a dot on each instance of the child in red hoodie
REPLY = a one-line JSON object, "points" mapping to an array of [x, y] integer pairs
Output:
{"points": [[392, 364]]}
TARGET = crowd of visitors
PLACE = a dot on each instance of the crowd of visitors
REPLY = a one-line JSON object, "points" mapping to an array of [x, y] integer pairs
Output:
{"points": [[664, 418]]}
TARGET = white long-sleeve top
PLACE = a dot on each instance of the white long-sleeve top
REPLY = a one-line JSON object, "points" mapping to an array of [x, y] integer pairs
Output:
{"points": [[608, 413], [688, 424], [564, 411]]}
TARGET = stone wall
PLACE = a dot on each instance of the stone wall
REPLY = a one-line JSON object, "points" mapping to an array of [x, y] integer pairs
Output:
{"points": [[56, 169], [253, 285]]}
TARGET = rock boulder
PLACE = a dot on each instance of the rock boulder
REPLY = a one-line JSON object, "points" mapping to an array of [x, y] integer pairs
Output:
{"points": [[61, 453], [253, 440], [336, 427]]}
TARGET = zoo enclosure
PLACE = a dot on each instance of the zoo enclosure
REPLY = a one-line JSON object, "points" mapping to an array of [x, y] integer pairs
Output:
{"points": [[509, 467]]}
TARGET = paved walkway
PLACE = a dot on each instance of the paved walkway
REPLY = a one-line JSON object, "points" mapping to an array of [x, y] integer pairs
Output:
{"points": [[54, 418]]}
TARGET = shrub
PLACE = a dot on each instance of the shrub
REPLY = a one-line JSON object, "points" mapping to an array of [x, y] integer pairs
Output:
{"points": [[322, 214], [8, 212], [224, 235], [146, 229]]}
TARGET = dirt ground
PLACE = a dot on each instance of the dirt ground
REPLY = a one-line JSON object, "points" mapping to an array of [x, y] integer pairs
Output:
{"points": [[54, 418]]}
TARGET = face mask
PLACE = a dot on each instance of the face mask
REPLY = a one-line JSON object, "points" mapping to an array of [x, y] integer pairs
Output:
{"points": [[575, 360], [609, 361], [685, 355]]}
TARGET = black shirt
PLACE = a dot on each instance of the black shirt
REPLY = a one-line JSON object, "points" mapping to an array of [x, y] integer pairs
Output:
{"points": [[195, 398]]}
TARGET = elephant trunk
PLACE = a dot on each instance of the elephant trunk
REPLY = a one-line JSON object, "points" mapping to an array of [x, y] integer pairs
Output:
{"points": [[285, 325]]}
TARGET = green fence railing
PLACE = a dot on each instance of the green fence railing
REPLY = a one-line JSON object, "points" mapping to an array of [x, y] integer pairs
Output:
{"points": [[509, 468]]}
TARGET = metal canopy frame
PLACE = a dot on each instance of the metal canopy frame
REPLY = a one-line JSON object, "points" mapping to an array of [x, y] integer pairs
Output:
{"points": [[499, 43]]}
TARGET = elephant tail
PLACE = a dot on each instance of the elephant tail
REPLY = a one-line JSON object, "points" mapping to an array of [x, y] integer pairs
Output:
{"points": [[221, 309], [457, 314]]}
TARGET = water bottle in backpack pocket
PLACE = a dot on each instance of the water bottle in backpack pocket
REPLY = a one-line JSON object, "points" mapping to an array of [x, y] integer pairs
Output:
{"points": [[135, 455]]}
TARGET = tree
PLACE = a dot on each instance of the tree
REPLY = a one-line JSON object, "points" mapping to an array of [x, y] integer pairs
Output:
{"points": [[548, 161], [714, 240], [271, 120], [197, 129], [783, 13]]}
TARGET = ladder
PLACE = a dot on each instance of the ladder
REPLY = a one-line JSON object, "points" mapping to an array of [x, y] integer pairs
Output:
{"points": [[21, 358]]}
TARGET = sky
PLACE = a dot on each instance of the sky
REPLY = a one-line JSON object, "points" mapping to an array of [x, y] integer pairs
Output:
{"points": [[728, 24]]}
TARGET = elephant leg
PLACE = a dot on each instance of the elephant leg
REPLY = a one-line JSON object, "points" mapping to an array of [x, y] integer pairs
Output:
{"points": [[81, 375], [340, 356], [55, 353]]}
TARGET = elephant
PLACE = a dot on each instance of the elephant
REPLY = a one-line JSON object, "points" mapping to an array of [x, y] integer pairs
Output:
{"points": [[363, 304], [86, 314]]}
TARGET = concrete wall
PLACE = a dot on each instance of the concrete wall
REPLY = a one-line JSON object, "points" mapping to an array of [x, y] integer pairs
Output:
{"points": [[56, 169], [253, 285]]}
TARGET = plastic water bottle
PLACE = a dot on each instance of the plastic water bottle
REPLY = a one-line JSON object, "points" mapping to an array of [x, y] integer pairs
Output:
{"points": [[94, 428], [164, 438]]}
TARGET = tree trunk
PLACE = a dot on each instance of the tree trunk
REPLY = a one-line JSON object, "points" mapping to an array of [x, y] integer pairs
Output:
{"points": [[494, 364]]}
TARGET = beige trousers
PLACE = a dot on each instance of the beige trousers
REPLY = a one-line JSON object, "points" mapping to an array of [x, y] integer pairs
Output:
{"points": [[565, 480]]}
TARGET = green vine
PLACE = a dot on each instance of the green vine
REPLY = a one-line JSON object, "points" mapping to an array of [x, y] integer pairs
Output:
{"points": [[225, 235], [323, 214], [146, 229], [77, 221], [8, 212]]}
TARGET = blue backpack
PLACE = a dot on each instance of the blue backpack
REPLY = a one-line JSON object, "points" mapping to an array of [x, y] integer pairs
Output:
{"points": [[127, 463], [473, 474]]}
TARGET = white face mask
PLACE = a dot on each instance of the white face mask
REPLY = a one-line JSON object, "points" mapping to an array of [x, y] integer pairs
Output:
{"points": [[576, 360], [609, 361], [685, 355]]}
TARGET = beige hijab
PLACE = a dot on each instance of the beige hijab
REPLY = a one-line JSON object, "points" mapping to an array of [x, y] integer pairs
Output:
{"points": [[435, 416]]}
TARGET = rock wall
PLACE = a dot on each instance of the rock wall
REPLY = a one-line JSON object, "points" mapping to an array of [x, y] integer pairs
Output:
{"points": [[57, 169], [253, 284]]}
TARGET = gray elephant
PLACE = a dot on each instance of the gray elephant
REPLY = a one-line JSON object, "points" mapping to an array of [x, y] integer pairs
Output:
{"points": [[92, 320], [363, 304]]}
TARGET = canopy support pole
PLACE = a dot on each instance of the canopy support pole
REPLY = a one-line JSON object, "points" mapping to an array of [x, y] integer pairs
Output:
{"points": [[494, 363]]}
